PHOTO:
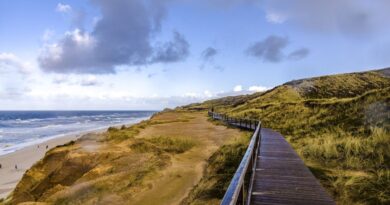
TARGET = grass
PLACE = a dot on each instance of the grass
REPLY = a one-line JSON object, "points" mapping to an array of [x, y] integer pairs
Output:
{"points": [[162, 143], [123, 133], [348, 152], [154, 162], [339, 125], [172, 145], [221, 167]]}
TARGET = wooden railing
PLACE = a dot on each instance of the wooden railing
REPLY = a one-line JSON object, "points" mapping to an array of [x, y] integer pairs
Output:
{"points": [[240, 188]]}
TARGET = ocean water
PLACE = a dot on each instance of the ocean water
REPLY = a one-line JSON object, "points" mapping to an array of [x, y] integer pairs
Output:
{"points": [[19, 129]]}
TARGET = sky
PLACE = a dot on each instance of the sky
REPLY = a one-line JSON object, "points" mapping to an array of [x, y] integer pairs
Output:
{"points": [[153, 54]]}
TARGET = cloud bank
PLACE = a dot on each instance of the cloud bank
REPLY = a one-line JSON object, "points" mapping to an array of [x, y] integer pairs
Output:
{"points": [[349, 17], [122, 36], [173, 51], [10, 62]]}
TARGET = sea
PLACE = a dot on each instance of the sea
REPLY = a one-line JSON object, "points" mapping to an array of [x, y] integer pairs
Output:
{"points": [[19, 129]]}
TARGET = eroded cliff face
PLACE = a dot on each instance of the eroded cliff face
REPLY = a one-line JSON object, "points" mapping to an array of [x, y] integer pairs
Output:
{"points": [[85, 169], [161, 160], [163, 157]]}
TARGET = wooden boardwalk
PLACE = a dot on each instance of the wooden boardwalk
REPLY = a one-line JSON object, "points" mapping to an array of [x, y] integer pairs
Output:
{"points": [[278, 174], [281, 177]]}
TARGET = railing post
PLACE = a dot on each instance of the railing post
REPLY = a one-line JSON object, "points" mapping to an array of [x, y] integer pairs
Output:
{"points": [[236, 193], [243, 191]]}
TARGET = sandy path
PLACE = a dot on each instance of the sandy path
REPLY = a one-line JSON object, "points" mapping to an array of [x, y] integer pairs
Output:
{"points": [[172, 185]]}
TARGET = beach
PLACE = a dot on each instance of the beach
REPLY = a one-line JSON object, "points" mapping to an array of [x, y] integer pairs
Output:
{"points": [[24, 136], [24, 159], [27, 156]]}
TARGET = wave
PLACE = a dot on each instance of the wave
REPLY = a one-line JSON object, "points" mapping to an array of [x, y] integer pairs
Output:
{"points": [[68, 129]]}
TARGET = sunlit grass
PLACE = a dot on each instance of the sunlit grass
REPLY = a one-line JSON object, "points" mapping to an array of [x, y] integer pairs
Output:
{"points": [[338, 123], [163, 143], [221, 167]]}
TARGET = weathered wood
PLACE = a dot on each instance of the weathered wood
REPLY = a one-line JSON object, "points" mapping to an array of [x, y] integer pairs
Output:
{"points": [[281, 176], [277, 174]]}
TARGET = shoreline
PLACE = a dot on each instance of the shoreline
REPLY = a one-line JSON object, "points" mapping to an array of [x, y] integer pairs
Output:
{"points": [[27, 156], [17, 147]]}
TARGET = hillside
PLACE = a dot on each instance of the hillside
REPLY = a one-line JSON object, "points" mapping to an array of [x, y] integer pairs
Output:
{"points": [[339, 124], [157, 161]]}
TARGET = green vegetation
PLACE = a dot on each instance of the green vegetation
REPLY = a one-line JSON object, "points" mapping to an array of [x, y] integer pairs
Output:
{"points": [[172, 145], [109, 167], [157, 161], [349, 152], [220, 166], [122, 134], [339, 125], [166, 144]]}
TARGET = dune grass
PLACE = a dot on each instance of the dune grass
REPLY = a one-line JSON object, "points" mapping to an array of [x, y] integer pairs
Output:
{"points": [[154, 162], [338, 124], [173, 145], [221, 167], [355, 169], [347, 151], [176, 145]]}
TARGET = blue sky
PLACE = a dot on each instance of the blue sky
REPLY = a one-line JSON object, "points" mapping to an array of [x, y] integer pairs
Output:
{"points": [[149, 54]]}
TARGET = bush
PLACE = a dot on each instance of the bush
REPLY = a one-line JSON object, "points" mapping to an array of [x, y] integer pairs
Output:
{"points": [[173, 145]]}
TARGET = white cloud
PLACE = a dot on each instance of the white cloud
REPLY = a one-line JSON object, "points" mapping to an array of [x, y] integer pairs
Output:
{"points": [[10, 62], [274, 17], [237, 88], [63, 8], [354, 18], [256, 88], [81, 44], [208, 94], [82, 39]]}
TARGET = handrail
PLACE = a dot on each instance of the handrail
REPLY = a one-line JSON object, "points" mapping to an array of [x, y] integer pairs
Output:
{"points": [[237, 189]]}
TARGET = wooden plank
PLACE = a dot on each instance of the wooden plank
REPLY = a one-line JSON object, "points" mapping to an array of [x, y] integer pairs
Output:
{"points": [[281, 176]]}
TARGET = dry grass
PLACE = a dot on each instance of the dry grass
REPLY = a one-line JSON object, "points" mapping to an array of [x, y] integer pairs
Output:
{"points": [[339, 125], [221, 167], [154, 162]]}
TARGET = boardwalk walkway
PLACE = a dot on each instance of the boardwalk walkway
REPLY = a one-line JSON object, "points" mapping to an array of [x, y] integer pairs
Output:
{"points": [[276, 175], [281, 176]]}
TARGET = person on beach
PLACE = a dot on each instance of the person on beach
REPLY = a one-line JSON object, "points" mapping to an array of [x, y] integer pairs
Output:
{"points": [[47, 146], [0, 166], [16, 166]]}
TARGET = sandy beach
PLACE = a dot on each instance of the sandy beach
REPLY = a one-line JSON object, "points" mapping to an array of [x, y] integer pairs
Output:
{"points": [[26, 157]]}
